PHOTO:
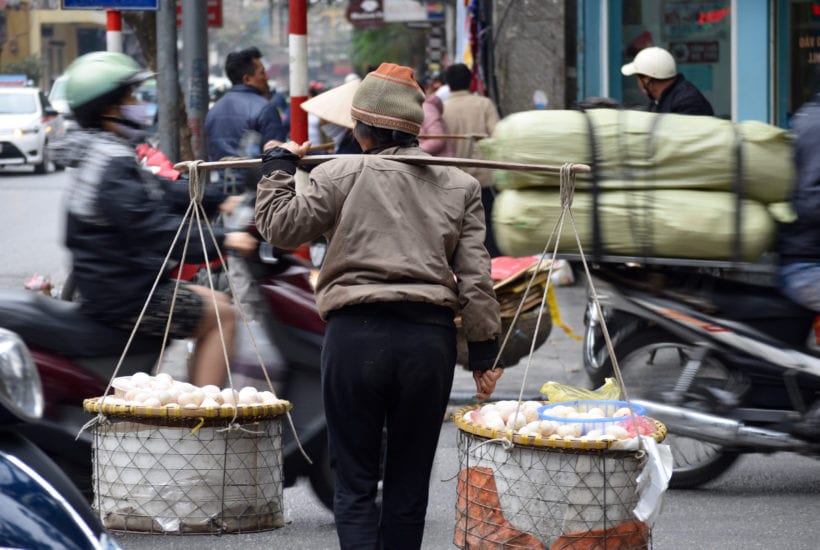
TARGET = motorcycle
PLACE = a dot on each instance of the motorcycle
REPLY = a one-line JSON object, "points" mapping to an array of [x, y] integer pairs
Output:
{"points": [[717, 354], [41, 507], [75, 357]]}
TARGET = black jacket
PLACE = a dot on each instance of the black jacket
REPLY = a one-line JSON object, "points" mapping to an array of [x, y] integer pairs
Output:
{"points": [[800, 241], [120, 223], [682, 97]]}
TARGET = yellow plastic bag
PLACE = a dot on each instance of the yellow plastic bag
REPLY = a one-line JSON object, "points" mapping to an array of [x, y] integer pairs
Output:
{"points": [[556, 392]]}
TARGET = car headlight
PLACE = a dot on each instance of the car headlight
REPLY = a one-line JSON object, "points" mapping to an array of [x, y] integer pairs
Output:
{"points": [[20, 132], [20, 389]]}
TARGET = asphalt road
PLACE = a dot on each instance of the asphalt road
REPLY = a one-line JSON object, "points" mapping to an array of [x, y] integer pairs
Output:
{"points": [[763, 502]]}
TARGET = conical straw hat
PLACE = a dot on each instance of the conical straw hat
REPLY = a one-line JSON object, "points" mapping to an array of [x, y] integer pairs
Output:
{"points": [[334, 105]]}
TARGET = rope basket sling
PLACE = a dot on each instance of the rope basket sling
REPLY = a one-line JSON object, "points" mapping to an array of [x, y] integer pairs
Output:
{"points": [[164, 467], [519, 488]]}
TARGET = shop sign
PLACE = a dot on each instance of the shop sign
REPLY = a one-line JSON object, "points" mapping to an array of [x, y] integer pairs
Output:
{"points": [[365, 14], [213, 10], [810, 45], [116, 5], [695, 52]]}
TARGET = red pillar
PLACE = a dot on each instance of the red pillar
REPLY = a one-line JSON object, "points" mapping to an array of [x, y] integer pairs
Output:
{"points": [[113, 31], [297, 45]]}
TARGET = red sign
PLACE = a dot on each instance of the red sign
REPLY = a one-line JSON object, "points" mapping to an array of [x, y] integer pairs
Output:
{"points": [[214, 11], [695, 52]]}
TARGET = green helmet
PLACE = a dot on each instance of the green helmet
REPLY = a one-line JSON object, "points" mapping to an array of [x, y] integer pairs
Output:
{"points": [[98, 74]]}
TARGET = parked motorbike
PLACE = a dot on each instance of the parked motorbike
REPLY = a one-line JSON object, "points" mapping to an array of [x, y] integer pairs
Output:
{"points": [[39, 506], [719, 356]]}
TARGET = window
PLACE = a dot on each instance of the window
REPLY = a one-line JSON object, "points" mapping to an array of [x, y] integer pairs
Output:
{"points": [[697, 33]]}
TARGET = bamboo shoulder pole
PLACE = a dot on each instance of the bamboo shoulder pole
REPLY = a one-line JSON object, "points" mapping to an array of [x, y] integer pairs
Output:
{"points": [[408, 159]]}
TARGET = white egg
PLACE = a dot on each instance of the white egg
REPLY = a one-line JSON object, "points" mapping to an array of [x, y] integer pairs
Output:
{"points": [[164, 377], [594, 434], [493, 421], [248, 395], [489, 408], [131, 395], [210, 389], [209, 403], [229, 396], [152, 402], [189, 406], [140, 380], [516, 421], [186, 399], [623, 411], [548, 427], [569, 430], [595, 412], [616, 431], [267, 397], [163, 396]]}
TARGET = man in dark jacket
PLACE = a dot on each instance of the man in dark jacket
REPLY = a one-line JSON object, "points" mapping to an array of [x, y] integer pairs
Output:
{"points": [[245, 115], [668, 91], [799, 242]]}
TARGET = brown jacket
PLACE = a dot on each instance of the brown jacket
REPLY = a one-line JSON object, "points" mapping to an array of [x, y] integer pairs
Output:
{"points": [[466, 113], [396, 232]]}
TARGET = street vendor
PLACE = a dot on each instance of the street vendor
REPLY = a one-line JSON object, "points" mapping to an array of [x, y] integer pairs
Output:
{"points": [[667, 90], [405, 255]]}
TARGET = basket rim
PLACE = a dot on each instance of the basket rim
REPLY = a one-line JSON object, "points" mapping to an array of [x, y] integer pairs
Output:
{"points": [[553, 442], [254, 412]]}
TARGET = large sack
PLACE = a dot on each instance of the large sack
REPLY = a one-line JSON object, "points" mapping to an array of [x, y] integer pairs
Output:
{"points": [[661, 223], [641, 149]]}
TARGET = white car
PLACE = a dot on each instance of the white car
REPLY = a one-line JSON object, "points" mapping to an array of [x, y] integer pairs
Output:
{"points": [[27, 123]]}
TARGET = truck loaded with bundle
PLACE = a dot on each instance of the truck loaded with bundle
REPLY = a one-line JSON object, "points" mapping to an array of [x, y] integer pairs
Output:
{"points": [[662, 186]]}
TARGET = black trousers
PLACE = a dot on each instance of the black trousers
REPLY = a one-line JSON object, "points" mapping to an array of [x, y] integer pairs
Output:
{"points": [[384, 371]]}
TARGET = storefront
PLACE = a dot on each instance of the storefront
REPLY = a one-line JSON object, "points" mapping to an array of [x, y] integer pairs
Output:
{"points": [[753, 59]]}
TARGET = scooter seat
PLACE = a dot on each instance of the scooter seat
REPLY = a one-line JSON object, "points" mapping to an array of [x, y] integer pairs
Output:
{"points": [[58, 326]]}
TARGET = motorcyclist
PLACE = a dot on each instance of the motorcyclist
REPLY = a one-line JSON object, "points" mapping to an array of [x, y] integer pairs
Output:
{"points": [[798, 244], [122, 220]]}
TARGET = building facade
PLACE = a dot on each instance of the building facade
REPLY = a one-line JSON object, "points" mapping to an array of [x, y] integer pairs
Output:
{"points": [[753, 59]]}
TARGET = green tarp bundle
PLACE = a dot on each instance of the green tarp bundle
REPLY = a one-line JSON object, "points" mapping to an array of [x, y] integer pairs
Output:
{"points": [[666, 223], [636, 148]]}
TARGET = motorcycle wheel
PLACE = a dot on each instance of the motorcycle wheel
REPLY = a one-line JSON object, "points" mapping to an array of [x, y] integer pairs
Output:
{"points": [[651, 361], [597, 363]]}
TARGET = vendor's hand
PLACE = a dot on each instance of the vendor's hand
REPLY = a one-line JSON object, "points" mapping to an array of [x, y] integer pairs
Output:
{"points": [[228, 205], [242, 242], [485, 381], [292, 146]]}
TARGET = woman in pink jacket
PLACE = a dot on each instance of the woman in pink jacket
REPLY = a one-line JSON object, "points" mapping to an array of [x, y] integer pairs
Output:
{"points": [[433, 124]]}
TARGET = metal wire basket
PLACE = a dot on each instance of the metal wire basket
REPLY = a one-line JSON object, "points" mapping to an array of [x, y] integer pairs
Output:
{"points": [[551, 493], [188, 471]]}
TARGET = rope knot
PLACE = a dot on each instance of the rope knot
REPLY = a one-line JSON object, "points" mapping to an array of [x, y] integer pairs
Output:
{"points": [[567, 184], [196, 179]]}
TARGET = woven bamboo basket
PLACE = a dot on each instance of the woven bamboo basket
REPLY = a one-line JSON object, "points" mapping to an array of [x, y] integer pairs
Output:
{"points": [[546, 493], [173, 470]]}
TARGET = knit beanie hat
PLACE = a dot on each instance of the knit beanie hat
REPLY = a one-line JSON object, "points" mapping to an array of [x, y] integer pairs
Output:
{"points": [[389, 97]]}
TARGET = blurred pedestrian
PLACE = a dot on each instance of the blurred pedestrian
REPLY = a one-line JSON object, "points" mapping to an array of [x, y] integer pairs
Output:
{"points": [[405, 255], [466, 113], [798, 243], [244, 118], [121, 220], [659, 81], [434, 125]]}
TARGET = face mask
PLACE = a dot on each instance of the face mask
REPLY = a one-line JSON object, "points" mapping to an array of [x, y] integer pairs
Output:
{"points": [[136, 113]]}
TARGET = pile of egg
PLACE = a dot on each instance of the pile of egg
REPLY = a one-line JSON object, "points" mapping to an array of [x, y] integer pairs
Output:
{"points": [[502, 416], [162, 390]]}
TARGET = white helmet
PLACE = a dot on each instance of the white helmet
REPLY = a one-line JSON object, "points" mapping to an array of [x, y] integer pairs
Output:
{"points": [[653, 61]]}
